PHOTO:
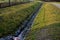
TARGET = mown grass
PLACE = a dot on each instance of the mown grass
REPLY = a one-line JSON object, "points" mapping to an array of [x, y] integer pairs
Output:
{"points": [[47, 15], [11, 17]]}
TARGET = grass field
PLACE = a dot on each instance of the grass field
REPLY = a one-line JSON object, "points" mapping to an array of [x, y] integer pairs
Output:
{"points": [[2, 1], [48, 18], [13, 16]]}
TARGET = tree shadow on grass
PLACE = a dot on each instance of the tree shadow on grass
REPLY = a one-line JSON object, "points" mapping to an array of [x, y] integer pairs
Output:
{"points": [[50, 32]]}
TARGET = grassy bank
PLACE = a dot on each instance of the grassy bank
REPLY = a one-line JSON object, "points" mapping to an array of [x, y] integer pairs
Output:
{"points": [[11, 17], [48, 18]]}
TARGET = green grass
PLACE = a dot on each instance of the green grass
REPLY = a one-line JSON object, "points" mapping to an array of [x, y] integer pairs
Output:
{"points": [[48, 15], [2, 1], [11, 17]]}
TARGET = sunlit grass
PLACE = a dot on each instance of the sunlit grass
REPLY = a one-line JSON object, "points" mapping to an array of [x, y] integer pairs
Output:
{"points": [[51, 14], [47, 15]]}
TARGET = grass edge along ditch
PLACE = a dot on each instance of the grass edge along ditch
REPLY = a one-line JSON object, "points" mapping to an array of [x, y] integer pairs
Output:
{"points": [[9, 22], [51, 16]]}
